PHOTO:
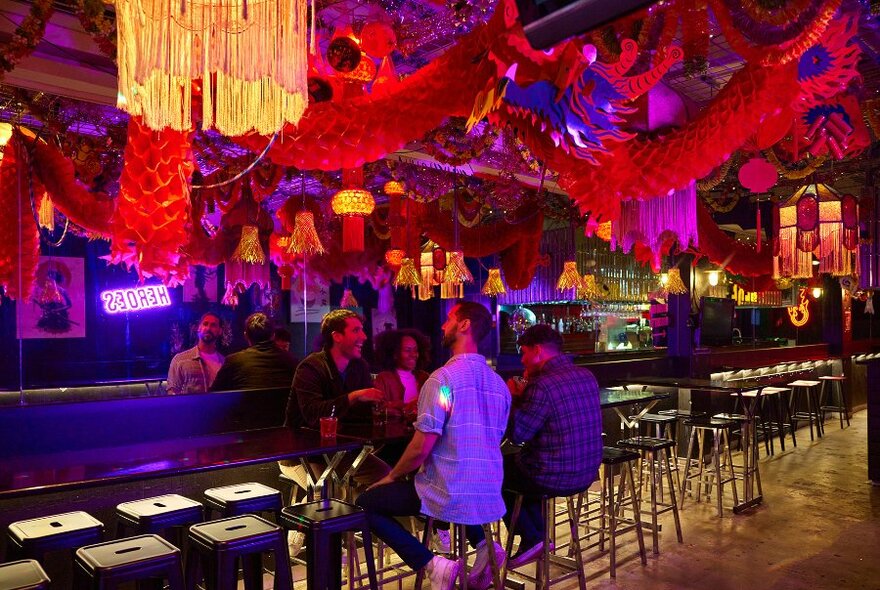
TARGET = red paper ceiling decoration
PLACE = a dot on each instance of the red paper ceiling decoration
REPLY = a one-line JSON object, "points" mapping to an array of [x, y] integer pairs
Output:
{"points": [[353, 204]]}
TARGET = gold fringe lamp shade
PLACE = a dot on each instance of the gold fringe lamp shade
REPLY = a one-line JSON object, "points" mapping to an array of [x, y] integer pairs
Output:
{"points": [[569, 279], [348, 299], [674, 284], [589, 289], [353, 205], [816, 220], [455, 276], [407, 276], [494, 286], [249, 58], [304, 239], [249, 249]]}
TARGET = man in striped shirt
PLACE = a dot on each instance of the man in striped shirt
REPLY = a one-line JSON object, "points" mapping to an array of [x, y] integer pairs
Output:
{"points": [[462, 414]]}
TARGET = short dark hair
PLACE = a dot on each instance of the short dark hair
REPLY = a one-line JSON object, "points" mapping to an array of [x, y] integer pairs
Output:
{"points": [[213, 314], [481, 319], [541, 334], [281, 334], [258, 327], [388, 343], [335, 321]]}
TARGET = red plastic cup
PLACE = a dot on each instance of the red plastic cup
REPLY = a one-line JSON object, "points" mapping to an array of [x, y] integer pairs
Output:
{"points": [[328, 427]]}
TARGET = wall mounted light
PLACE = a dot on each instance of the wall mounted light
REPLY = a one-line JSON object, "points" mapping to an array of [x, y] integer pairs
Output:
{"points": [[817, 292], [713, 278]]}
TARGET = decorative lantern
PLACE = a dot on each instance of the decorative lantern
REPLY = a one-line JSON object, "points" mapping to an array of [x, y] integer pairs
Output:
{"points": [[407, 276], [353, 205], [46, 213], [394, 256], [348, 299], [674, 284], [494, 286], [589, 289], [249, 249], [304, 239], [570, 278], [250, 60], [816, 220], [438, 261], [344, 54], [394, 188]]}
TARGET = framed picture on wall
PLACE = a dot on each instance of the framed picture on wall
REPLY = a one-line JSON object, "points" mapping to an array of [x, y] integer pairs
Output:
{"points": [[57, 306], [309, 301]]}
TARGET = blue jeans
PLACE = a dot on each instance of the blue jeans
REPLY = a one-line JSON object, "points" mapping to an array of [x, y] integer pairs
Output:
{"points": [[401, 499]]}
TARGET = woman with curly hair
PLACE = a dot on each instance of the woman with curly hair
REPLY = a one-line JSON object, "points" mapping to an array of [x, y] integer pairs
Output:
{"points": [[403, 356]]}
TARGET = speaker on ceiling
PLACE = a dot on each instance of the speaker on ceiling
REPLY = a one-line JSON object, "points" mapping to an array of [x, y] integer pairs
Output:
{"points": [[547, 22]]}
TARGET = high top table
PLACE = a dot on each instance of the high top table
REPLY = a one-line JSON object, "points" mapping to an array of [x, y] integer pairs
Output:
{"points": [[752, 492]]}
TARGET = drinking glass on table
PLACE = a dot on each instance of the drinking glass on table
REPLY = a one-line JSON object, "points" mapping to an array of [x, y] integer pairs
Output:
{"points": [[328, 425]]}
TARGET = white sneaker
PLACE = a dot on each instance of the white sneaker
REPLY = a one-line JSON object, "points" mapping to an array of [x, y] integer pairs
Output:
{"points": [[480, 577], [295, 542], [441, 542], [442, 572]]}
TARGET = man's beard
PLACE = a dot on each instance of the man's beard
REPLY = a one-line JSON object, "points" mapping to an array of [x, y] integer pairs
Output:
{"points": [[208, 338], [448, 340]]}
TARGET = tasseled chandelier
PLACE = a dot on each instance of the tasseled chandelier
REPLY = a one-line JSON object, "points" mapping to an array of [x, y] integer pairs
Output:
{"points": [[249, 249], [674, 284], [455, 276], [588, 289], [353, 205], [304, 239], [494, 286], [248, 59], [407, 276], [348, 299], [569, 279]]}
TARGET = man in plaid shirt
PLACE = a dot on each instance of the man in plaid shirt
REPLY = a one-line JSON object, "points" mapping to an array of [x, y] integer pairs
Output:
{"points": [[558, 420]]}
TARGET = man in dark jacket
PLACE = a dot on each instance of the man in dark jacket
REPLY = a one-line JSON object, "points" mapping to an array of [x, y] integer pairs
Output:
{"points": [[261, 365]]}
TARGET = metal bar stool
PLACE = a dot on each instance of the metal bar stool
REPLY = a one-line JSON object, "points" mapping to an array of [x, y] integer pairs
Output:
{"points": [[157, 515], [656, 451], [720, 453], [840, 403], [460, 552], [146, 559], [243, 498], [38, 536], [26, 574], [612, 509], [803, 392]]}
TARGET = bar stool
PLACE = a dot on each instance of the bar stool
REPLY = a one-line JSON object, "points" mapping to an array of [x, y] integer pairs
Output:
{"points": [[760, 419], [324, 522], [720, 429], [840, 405], [781, 410], [656, 451], [803, 391], [36, 537], [157, 515], [216, 546], [665, 427], [542, 580], [613, 510], [26, 574], [145, 558], [460, 553], [243, 498]]}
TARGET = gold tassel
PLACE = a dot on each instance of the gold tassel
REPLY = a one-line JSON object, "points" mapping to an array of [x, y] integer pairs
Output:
{"points": [[569, 279], [457, 271], [674, 284], [494, 286], [589, 289], [46, 213], [249, 249], [304, 239], [348, 299], [407, 275]]}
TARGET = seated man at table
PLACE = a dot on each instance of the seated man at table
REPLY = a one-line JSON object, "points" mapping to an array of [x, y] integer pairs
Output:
{"points": [[261, 365], [462, 413], [557, 418], [194, 370]]}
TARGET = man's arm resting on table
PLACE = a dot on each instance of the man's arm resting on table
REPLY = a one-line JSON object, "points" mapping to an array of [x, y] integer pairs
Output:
{"points": [[415, 454]]}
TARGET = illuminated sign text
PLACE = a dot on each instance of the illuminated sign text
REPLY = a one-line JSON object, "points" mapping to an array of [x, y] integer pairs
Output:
{"points": [[146, 297], [800, 314]]}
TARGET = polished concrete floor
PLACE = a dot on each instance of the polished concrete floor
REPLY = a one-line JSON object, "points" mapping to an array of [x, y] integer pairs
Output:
{"points": [[818, 527]]}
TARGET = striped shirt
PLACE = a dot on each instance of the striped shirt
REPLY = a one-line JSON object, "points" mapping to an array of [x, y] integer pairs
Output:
{"points": [[467, 404]]}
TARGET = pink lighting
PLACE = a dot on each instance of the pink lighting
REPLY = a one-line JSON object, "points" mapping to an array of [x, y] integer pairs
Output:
{"points": [[137, 299]]}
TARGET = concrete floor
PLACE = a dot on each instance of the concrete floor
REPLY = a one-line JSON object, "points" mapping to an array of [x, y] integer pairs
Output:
{"points": [[818, 528]]}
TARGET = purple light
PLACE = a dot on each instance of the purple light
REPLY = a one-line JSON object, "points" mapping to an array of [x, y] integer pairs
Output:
{"points": [[137, 299]]}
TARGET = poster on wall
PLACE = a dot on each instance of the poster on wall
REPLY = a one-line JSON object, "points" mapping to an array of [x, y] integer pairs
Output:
{"points": [[57, 308], [201, 286], [309, 302]]}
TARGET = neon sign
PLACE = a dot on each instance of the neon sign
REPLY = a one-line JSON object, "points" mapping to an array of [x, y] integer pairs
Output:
{"points": [[800, 314], [137, 299], [742, 297]]}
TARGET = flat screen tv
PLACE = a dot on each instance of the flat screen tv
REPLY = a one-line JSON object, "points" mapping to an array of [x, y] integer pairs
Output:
{"points": [[716, 321], [547, 22]]}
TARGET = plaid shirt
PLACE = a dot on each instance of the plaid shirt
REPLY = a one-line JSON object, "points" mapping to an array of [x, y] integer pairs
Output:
{"points": [[467, 404], [560, 421]]}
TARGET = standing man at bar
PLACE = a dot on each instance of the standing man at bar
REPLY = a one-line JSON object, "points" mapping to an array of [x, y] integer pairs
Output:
{"points": [[456, 448], [557, 418], [260, 365], [194, 370]]}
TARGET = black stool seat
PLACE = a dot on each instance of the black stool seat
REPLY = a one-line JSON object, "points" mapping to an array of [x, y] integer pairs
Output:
{"points": [[23, 575], [615, 456], [323, 523], [729, 416], [243, 498], [682, 413], [646, 443], [710, 423], [658, 419], [217, 545], [135, 559], [33, 538], [157, 514]]}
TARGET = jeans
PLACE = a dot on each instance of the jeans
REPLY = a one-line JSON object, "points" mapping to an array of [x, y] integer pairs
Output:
{"points": [[401, 499]]}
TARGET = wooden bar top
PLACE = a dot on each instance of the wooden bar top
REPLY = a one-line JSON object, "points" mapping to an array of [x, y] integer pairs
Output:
{"points": [[62, 470]]}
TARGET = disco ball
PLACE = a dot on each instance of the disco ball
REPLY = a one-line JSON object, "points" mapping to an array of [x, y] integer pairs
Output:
{"points": [[521, 319]]}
